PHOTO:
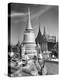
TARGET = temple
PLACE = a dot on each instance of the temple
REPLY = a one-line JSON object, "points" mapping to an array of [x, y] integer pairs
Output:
{"points": [[46, 42]]}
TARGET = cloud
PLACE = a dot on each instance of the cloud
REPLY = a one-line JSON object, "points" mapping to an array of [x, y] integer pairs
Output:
{"points": [[34, 16], [39, 13], [17, 14]]}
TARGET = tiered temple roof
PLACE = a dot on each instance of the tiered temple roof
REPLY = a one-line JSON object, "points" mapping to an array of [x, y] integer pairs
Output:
{"points": [[39, 38]]}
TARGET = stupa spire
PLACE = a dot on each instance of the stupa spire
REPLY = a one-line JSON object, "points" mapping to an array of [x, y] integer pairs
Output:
{"points": [[29, 34], [29, 20]]}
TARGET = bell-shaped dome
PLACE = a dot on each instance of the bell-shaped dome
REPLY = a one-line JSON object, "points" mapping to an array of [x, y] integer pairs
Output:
{"points": [[29, 37]]}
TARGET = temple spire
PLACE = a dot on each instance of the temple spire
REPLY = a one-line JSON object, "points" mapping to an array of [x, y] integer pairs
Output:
{"points": [[39, 25], [39, 28], [39, 38], [44, 35], [44, 32], [29, 34], [29, 20]]}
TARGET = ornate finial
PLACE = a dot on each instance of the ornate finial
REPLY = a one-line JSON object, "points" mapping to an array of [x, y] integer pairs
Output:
{"points": [[29, 12], [29, 20]]}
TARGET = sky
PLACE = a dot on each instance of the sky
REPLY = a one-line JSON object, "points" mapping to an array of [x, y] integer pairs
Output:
{"points": [[45, 15]]}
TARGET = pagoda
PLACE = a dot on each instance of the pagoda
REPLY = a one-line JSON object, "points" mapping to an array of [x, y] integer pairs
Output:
{"points": [[28, 43]]}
